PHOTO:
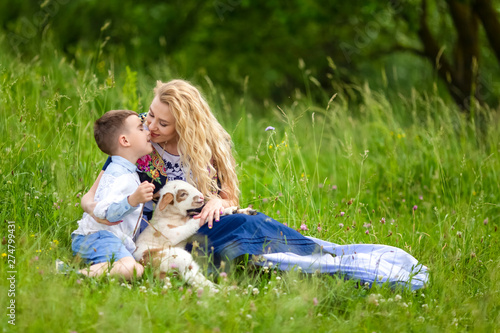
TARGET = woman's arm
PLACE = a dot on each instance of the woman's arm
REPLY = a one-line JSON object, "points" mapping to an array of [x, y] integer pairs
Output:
{"points": [[214, 208], [88, 202]]}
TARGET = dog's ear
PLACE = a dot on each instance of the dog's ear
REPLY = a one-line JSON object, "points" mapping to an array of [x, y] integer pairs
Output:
{"points": [[168, 198]]}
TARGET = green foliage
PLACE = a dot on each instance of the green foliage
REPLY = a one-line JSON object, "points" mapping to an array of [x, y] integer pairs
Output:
{"points": [[230, 40]]}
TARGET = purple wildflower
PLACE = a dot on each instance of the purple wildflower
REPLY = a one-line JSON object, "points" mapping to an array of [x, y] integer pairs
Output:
{"points": [[342, 213], [415, 207], [270, 128], [303, 226]]}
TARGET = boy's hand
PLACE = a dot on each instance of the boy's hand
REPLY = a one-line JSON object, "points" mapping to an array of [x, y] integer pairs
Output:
{"points": [[143, 194]]}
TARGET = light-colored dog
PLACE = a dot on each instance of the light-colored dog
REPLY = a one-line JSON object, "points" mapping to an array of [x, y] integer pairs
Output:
{"points": [[162, 242]]}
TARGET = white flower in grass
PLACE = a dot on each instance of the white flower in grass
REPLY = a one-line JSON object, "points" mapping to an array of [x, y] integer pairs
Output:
{"points": [[255, 291]]}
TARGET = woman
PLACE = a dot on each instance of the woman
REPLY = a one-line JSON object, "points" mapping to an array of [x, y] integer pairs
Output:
{"points": [[190, 144]]}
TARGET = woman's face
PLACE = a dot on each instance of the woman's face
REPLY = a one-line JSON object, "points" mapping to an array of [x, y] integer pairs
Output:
{"points": [[161, 122]]}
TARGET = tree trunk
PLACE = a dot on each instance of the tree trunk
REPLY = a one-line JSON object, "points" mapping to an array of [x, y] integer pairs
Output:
{"points": [[488, 16], [460, 77]]}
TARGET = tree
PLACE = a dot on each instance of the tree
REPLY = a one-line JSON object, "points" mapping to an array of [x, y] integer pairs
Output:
{"points": [[459, 70]]}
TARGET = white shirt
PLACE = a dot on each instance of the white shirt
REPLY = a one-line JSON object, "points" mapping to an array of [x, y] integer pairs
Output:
{"points": [[118, 181]]}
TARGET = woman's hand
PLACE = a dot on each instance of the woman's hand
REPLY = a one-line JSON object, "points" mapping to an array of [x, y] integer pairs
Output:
{"points": [[211, 211]]}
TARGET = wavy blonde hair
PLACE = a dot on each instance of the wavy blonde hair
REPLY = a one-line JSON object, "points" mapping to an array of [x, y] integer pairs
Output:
{"points": [[204, 145]]}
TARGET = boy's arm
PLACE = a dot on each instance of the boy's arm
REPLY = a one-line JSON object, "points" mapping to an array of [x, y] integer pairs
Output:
{"points": [[115, 207]]}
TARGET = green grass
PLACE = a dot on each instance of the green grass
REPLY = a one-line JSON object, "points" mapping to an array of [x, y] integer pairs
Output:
{"points": [[371, 161]]}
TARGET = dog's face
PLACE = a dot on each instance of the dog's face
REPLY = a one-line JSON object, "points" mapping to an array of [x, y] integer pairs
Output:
{"points": [[180, 196]]}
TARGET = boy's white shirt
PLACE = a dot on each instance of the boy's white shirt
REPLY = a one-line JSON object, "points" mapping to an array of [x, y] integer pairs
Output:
{"points": [[118, 181]]}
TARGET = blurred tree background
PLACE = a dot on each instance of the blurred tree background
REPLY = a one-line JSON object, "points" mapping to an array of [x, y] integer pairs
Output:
{"points": [[273, 50]]}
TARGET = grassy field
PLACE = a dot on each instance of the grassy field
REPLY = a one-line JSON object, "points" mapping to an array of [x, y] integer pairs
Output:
{"points": [[409, 171]]}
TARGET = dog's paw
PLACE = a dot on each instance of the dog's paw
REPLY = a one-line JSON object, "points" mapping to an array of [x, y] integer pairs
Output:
{"points": [[247, 211]]}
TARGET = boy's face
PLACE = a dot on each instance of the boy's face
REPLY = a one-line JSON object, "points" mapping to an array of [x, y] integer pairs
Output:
{"points": [[138, 136]]}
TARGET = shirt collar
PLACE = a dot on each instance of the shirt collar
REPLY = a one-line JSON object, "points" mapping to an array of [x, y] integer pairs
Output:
{"points": [[124, 163]]}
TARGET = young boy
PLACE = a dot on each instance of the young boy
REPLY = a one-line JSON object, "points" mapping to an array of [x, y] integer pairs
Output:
{"points": [[119, 196]]}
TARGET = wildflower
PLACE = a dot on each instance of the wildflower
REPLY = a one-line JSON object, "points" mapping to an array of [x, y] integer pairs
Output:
{"points": [[404, 200], [4, 255], [270, 128], [373, 299], [319, 228], [78, 281], [278, 278], [421, 197], [415, 208], [270, 146], [485, 222], [397, 298], [77, 204], [342, 213], [425, 306], [334, 187], [315, 301], [223, 275], [459, 234], [367, 231], [341, 225], [55, 241], [255, 291], [382, 220], [199, 292], [367, 225], [303, 227]]}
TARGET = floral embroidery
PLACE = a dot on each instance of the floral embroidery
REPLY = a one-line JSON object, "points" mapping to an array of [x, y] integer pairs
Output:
{"points": [[145, 165], [158, 163]]}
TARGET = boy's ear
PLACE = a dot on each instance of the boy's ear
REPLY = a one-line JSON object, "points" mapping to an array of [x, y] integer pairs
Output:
{"points": [[123, 141]]}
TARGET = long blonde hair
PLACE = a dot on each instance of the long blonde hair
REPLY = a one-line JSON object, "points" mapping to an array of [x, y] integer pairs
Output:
{"points": [[203, 142]]}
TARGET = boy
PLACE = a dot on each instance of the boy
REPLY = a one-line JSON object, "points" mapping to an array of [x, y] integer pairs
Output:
{"points": [[119, 196]]}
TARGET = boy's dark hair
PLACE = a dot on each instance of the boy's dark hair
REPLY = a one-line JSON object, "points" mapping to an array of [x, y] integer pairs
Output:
{"points": [[108, 128]]}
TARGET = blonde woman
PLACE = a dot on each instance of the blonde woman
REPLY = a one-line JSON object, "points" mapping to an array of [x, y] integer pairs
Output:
{"points": [[190, 144]]}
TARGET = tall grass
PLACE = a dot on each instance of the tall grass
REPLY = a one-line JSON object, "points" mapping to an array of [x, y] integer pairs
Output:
{"points": [[409, 171]]}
